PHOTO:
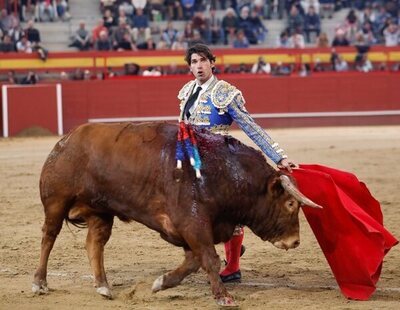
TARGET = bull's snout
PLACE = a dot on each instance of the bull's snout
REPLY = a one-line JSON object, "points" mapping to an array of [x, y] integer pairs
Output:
{"points": [[287, 244]]}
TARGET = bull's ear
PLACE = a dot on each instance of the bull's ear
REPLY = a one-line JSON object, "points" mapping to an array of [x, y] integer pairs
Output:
{"points": [[275, 187]]}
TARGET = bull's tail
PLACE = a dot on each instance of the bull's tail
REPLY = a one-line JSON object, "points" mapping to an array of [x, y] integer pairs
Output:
{"points": [[80, 223]]}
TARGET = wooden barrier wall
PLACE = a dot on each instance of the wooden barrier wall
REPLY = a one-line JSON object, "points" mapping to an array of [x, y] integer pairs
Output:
{"points": [[318, 100]]}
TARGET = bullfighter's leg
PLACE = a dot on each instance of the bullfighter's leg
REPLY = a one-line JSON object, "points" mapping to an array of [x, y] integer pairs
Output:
{"points": [[98, 234], [175, 277], [54, 216], [231, 273]]}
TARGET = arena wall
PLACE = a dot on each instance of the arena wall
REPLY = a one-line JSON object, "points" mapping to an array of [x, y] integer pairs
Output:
{"points": [[319, 100]]}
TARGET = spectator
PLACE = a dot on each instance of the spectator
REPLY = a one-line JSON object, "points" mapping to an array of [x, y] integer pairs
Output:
{"points": [[322, 40], [240, 41], [157, 10], [126, 43], [312, 23], [230, 24], [304, 70], [127, 7], [170, 34], [46, 10], [62, 10], [16, 32], [31, 78], [109, 5], [363, 64], [341, 64], [11, 77], [246, 25], [103, 42], [29, 10], [261, 66], [281, 70], [6, 21], [196, 38], [81, 39], [87, 76], [199, 24], [32, 33], [152, 71], [368, 34], [188, 32], [77, 75], [139, 4], [180, 44], [123, 17], [361, 44], [257, 27], [174, 9], [148, 45], [109, 21], [24, 46], [141, 30], [33, 36], [327, 7], [391, 35], [283, 40], [382, 18], [215, 33], [318, 66], [306, 4], [296, 40], [295, 20], [351, 25], [7, 46], [98, 29], [188, 8], [162, 44], [129, 69], [340, 38]]}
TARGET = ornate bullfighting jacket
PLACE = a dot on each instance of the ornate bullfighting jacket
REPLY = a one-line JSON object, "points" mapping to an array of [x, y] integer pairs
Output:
{"points": [[220, 105]]}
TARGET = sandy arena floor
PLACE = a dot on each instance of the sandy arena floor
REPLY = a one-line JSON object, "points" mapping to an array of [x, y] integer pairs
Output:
{"points": [[135, 256]]}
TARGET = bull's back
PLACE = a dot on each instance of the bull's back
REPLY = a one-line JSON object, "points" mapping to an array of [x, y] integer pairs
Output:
{"points": [[117, 159]]}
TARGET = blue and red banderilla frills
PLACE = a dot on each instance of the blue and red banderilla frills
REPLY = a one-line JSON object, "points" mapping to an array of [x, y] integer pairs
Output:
{"points": [[186, 146]]}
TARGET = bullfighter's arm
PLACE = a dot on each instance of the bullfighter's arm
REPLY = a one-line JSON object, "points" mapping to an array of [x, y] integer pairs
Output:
{"points": [[240, 115]]}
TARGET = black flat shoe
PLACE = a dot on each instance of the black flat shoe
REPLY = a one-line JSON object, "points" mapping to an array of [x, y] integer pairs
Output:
{"points": [[233, 277]]}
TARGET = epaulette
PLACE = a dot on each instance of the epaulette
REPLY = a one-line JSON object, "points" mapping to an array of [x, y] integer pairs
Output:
{"points": [[185, 90], [223, 94]]}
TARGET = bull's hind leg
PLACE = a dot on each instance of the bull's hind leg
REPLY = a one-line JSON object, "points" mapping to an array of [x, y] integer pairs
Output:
{"points": [[98, 234], [174, 278], [54, 216]]}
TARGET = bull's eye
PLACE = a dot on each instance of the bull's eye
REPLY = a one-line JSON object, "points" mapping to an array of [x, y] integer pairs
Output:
{"points": [[291, 204]]}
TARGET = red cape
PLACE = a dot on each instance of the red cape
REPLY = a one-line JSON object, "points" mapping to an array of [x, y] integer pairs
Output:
{"points": [[349, 228]]}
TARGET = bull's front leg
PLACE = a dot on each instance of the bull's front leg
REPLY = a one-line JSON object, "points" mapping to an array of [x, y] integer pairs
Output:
{"points": [[202, 245], [175, 277]]}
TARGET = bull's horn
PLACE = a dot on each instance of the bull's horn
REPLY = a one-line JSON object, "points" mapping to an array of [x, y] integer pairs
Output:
{"points": [[292, 190]]}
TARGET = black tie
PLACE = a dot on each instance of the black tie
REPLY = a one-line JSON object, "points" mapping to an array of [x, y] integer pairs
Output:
{"points": [[191, 101]]}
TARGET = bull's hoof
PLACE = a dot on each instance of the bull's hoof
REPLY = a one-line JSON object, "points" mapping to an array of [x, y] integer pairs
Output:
{"points": [[157, 284], [226, 302], [104, 291], [40, 289]]}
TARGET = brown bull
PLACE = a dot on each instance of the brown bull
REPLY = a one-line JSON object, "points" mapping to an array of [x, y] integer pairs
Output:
{"points": [[101, 171]]}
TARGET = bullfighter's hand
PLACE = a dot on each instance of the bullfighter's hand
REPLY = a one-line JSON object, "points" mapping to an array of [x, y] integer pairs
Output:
{"points": [[286, 164]]}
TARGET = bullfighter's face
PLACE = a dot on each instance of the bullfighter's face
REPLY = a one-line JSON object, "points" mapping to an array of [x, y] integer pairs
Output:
{"points": [[201, 67]]}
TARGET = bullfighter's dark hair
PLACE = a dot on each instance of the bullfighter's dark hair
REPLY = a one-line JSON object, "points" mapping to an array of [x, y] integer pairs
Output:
{"points": [[201, 49]]}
